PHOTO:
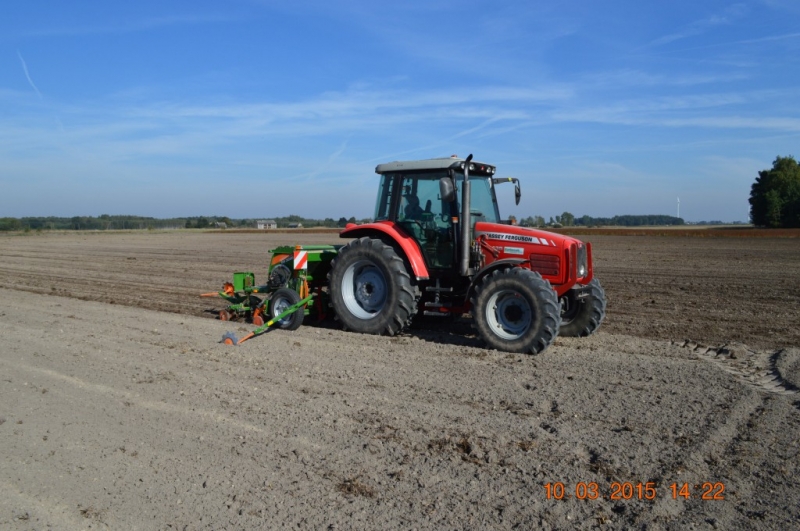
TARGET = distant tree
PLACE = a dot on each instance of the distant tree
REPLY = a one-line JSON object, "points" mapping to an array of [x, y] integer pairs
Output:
{"points": [[512, 219], [342, 221], [9, 224], [628, 221], [106, 221], [567, 219], [352, 219], [775, 196]]}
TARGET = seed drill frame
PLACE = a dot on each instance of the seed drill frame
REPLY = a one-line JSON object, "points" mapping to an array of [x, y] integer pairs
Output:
{"points": [[296, 281]]}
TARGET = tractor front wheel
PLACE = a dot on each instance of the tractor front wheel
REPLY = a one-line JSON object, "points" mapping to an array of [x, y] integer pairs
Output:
{"points": [[516, 310], [581, 317], [370, 289], [279, 302]]}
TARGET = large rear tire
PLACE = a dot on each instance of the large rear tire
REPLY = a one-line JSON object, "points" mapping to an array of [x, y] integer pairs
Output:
{"points": [[516, 310], [582, 317], [370, 288]]}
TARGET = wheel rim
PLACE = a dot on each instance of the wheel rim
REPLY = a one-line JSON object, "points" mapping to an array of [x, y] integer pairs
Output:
{"points": [[364, 289], [281, 305], [509, 315]]}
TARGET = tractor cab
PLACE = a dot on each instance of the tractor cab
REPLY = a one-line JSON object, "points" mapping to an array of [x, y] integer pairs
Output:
{"points": [[421, 198]]}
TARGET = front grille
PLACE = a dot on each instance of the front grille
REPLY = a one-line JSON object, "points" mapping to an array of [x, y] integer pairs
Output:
{"points": [[545, 264]]}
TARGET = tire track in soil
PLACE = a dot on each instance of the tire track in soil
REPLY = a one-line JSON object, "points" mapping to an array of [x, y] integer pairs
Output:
{"points": [[759, 370], [56, 512], [730, 441], [716, 441], [133, 399], [163, 297]]}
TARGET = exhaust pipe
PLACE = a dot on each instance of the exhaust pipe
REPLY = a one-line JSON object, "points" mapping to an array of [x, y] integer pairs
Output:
{"points": [[466, 220]]}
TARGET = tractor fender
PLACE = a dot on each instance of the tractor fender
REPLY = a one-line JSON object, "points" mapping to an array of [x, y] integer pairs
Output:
{"points": [[391, 233], [487, 269]]}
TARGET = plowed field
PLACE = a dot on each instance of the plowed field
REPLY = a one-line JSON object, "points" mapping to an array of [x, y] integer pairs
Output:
{"points": [[119, 409]]}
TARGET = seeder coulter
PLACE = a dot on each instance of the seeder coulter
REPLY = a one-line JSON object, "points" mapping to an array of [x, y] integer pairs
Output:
{"points": [[294, 289]]}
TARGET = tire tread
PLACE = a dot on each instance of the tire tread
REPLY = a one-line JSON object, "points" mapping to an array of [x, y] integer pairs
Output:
{"points": [[396, 319]]}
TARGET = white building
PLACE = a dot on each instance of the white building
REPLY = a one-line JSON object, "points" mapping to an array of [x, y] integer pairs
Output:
{"points": [[266, 224]]}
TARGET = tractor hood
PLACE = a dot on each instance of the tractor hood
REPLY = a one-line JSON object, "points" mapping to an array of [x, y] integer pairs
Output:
{"points": [[561, 260], [509, 235]]}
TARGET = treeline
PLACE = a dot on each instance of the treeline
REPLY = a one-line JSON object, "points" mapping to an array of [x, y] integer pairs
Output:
{"points": [[104, 222], [630, 220], [109, 222], [282, 222], [775, 196], [568, 220]]}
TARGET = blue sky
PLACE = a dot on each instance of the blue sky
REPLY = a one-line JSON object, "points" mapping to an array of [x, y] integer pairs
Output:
{"points": [[261, 108]]}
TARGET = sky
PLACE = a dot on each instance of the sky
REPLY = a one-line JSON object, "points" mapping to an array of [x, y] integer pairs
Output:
{"points": [[261, 108]]}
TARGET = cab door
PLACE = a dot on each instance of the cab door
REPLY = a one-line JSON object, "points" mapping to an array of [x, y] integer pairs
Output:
{"points": [[424, 216]]}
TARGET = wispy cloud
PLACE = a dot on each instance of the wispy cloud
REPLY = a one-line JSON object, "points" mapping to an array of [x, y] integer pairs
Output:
{"points": [[27, 75], [782, 5], [749, 63], [131, 26], [631, 78], [729, 15], [175, 128], [769, 38], [320, 169]]}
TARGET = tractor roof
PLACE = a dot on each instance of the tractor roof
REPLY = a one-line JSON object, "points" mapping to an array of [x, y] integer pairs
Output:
{"points": [[476, 168]]}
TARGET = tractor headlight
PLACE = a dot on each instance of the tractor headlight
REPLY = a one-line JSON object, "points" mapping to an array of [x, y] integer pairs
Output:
{"points": [[583, 267]]}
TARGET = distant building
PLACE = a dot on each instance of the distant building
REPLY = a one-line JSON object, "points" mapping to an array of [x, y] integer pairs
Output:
{"points": [[220, 225], [295, 225], [266, 224]]}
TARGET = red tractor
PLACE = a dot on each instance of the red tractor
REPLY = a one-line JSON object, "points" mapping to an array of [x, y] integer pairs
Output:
{"points": [[435, 251]]}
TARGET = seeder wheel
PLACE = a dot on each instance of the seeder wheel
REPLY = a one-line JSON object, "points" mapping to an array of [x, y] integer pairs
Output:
{"points": [[225, 315]]}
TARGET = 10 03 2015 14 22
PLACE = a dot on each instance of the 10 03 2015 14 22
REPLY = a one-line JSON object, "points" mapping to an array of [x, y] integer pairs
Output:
{"points": [[627, 490]]}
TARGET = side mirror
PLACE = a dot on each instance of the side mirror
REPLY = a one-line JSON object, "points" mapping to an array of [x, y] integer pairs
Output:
{"points": [[446, 190], [517, 190]]}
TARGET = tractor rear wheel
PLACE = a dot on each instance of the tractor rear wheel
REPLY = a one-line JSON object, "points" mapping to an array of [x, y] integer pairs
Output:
{"points": [[279, 302], [370, 288], [581, 317], [516, 310]]}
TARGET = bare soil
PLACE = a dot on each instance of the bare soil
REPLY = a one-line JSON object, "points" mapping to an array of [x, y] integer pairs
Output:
{"points": [[120, 409]]}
